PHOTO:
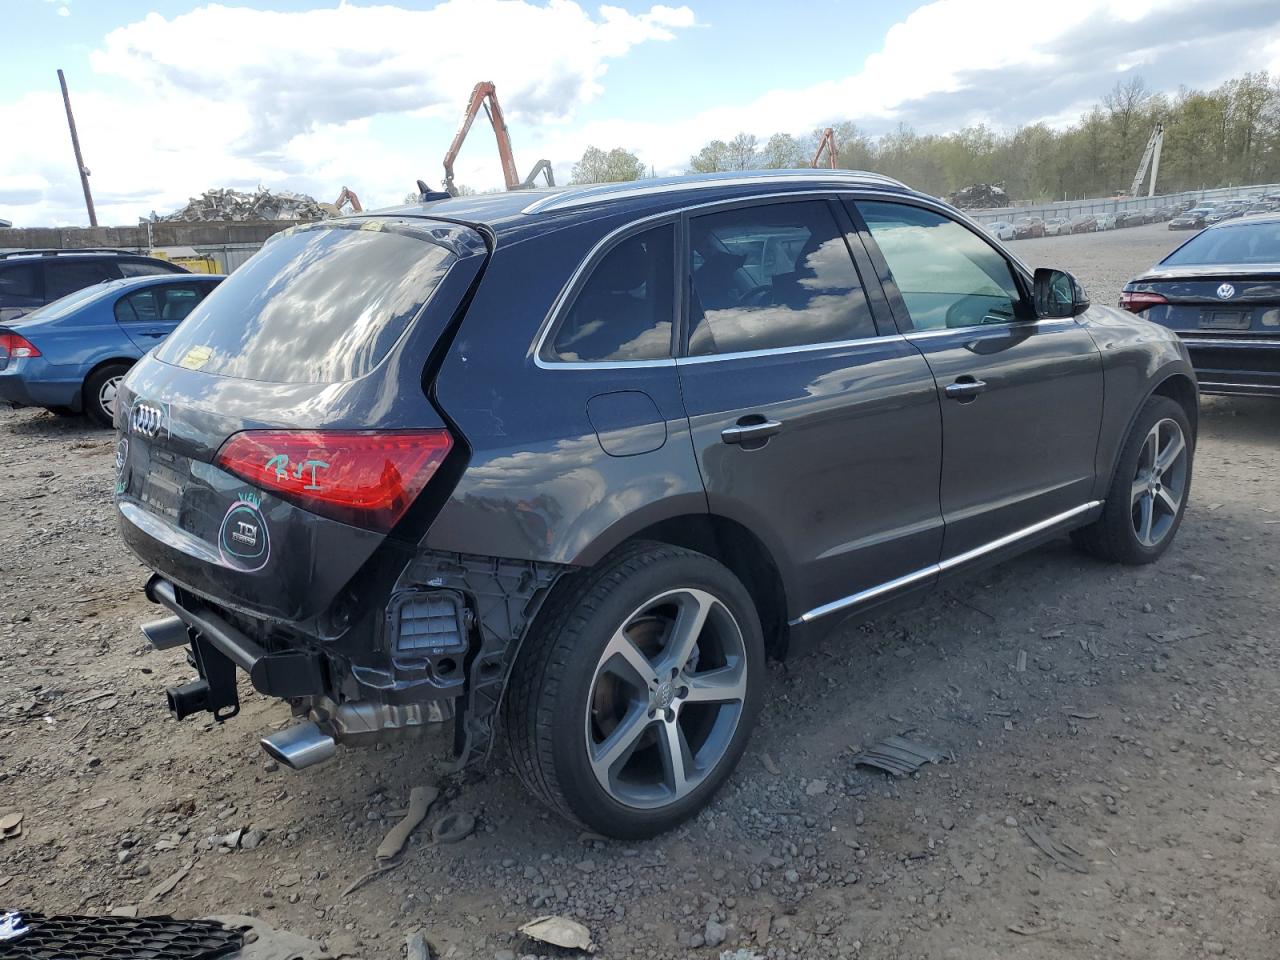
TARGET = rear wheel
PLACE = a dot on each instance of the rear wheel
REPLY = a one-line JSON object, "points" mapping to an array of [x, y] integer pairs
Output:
{"points": [[635, 694], [1148, 494], [100, 390]]}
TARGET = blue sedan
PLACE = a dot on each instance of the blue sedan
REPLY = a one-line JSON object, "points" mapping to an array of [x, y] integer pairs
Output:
{"points": [[71, 355]]}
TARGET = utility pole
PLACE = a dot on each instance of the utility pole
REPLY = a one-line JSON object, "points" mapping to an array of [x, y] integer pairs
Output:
{"points": [[75, 145]]}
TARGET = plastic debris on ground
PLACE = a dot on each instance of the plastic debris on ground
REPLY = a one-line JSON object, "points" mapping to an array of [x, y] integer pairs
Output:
{"points": [[899, 756], [559, 932]]}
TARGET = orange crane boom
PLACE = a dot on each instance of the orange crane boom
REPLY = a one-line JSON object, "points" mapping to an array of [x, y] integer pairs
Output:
{"points": [[826, 142], [485, 95], [348, 196]]}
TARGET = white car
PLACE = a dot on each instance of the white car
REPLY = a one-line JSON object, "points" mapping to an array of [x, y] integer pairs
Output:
{"points": [[1055, 226], [1000, 230], [1106, 221]]}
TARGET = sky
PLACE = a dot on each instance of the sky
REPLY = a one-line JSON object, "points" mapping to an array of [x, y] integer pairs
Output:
{"points": [[173, 97]]}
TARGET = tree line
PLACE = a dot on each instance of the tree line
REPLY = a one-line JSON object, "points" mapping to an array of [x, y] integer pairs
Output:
{"points": [[1222, 137]]}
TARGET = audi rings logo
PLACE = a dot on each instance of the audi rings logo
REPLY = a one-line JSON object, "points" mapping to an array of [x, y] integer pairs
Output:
{"points": [[148, 420]]}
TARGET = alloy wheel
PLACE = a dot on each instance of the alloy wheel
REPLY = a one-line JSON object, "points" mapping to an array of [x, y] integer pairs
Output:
{"points": [[107, 394], [1160, 482], [666, 698]]}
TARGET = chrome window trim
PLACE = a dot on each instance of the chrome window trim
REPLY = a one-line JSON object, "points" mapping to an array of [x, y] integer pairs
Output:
{"points": [[598, 193], [553, 315], [1002, 326], [950, 563], [800, 348]]}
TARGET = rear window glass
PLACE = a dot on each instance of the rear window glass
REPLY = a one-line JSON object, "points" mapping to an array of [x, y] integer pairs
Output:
{"points": [[318, 304], [145, 268], [1246, 243]]}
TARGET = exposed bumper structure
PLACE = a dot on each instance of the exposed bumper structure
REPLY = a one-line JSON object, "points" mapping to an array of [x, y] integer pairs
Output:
{"points": [[307, 678]]}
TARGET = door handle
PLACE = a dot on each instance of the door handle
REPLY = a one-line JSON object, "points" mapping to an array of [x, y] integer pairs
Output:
{"points": [[750, 431], [965, 389]]}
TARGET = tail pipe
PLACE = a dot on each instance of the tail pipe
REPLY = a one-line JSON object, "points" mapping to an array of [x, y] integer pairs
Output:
{"points": [[300, 746]]}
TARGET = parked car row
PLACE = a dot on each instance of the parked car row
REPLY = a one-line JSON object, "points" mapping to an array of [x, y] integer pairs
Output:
{"points": [[1184, 215]]}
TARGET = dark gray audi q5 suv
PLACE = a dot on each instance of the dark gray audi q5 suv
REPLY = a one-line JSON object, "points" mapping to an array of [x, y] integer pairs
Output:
{"points": [[573, 464]]}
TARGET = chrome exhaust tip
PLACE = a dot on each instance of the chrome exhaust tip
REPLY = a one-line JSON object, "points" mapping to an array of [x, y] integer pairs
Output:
{"points": [[300, 746]]}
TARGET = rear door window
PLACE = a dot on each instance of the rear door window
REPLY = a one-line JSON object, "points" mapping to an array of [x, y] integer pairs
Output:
{"points": [[166, 304], [625, 310], [770, 277], [68, 276], [318, 304]]}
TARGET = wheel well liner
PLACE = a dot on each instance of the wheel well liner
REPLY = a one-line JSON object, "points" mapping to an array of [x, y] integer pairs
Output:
{"points": [[1179, 388]]}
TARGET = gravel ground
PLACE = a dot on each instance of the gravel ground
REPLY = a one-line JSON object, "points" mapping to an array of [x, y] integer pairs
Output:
{"points": [[1128, 715]]}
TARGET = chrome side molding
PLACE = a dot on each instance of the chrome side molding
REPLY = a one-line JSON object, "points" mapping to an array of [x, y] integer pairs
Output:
{"points": [[933, 569]]}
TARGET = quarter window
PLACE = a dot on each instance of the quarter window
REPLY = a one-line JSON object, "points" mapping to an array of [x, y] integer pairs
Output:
{"points": [[18, 280], [626, 308], [947, 276], [770, 277]]}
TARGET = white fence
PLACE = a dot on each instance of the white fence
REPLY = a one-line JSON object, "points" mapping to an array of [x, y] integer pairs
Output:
{"points": [[1075, 208]]}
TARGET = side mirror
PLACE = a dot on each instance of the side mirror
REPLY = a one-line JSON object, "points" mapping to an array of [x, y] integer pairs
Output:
{"points": [[1058, 294]]}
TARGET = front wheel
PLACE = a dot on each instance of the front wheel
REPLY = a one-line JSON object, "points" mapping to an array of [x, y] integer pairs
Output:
{"points": [[100, 390], [1149, 491], [634, 696]]}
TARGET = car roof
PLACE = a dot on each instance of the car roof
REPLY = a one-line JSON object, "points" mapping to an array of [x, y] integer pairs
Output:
{"points": [[509, 211]]}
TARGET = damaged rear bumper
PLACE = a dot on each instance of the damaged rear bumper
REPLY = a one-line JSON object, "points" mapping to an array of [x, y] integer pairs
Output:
{"points": [[310, 679]]}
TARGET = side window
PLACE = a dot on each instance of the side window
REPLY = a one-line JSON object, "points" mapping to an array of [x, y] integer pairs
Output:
{"points": [[947, 276], [176, 302], [141, 268], [138, 306], [18, 280], [626, 308], [72, 275], [773, 276]]}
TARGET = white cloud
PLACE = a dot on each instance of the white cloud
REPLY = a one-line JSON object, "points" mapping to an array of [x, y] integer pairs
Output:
{"points": [[227, 96], [952, 63]]}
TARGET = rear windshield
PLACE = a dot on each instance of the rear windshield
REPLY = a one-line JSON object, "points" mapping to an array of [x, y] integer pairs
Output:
{"points": [[1246, 243], [318, 304]]}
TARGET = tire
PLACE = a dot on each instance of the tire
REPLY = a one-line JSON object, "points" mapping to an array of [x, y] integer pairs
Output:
{"points": [[1126, 532], [103, 381], [576, 690]]}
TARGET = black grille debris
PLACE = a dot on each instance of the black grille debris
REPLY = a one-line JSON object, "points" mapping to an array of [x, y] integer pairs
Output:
{"points": [[119, 938]]}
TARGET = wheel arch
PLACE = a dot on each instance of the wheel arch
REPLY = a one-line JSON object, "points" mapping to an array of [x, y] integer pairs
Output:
{"points": [[743, 553], [1179, 387]]}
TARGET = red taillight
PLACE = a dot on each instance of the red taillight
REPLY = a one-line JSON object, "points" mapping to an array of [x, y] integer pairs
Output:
{"points": [[1136, 302], [362, 477], [12, 345]]}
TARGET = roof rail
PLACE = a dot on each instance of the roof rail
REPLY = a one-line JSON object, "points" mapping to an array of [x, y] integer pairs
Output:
{"points": [[598, 193], [55, 251]]}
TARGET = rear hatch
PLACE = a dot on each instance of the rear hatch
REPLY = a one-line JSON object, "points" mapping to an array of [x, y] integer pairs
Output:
{"points": [[283, 435]]}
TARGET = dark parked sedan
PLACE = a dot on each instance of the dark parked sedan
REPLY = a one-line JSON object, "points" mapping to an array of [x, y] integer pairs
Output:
{"points": [[572, 461], [1221, 292], [1193, 219], [1085, 223]]}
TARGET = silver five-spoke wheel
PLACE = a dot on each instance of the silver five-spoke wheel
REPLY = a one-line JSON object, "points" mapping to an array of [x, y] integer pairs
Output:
{"points": [[1160, 482], [666, 698]]}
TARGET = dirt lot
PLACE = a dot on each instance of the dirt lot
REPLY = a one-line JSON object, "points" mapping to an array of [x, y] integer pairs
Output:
{"points": [[1144, 732]]}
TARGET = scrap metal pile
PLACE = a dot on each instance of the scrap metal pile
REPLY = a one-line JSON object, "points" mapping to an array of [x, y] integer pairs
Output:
{"points": [[263, 204], [980, 196]]}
